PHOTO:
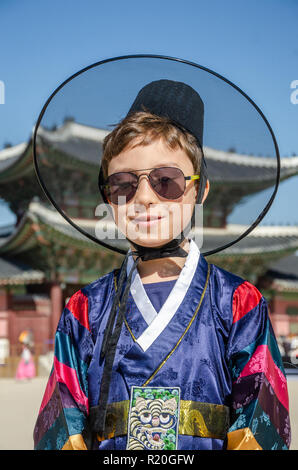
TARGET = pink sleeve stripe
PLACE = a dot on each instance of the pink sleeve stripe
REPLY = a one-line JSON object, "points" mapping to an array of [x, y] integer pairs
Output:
{"points": [[261, 361], [48, 391], [245, 298], [68, 376], [78, 306]]}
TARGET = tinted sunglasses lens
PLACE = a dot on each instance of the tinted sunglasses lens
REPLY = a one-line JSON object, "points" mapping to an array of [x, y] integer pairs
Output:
{"points": [[168, 182], [121, 185]]}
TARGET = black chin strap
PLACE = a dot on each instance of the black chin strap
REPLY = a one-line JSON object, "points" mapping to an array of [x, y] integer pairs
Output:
{"points": [[171, 249]]}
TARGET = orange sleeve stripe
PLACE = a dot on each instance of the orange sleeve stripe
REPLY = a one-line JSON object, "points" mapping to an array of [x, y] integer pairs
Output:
{"points": [[242, 439]]}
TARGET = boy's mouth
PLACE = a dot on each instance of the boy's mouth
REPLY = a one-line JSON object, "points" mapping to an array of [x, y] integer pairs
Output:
{"points": [[147, 220]]}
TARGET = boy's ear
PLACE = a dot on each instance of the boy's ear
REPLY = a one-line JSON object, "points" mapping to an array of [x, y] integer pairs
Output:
{"points": [[206, 191]]}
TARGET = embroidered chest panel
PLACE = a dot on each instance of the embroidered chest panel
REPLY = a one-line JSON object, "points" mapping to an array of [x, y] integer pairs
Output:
{"points": [[153, 420]]}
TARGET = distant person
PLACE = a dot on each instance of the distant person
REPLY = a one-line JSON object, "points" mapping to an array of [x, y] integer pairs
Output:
{"points": [[26, 366]]}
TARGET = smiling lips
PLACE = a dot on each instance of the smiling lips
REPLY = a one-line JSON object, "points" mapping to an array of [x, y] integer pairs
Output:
{"points": [[147, 220]]}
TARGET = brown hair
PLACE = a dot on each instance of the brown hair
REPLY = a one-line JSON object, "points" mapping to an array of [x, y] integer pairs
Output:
{"points": [[146, 128]]}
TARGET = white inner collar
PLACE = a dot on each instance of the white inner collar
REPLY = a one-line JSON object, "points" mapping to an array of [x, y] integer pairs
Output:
{"points": [[157, 322]]}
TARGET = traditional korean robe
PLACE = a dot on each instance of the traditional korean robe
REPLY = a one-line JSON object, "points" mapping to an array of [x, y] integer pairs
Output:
{"points": [[212, 338]]}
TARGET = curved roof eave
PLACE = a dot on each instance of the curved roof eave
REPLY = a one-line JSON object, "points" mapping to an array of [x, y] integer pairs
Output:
{"points": [[14, 160], [42, 225]]}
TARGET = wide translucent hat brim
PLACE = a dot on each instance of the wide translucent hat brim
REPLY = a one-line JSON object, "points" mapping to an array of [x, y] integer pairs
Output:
{"points": [[239, 146]]}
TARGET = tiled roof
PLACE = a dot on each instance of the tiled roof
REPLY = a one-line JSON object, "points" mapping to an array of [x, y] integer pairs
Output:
{"points": [[85, 144], [285, 268], [12, 272], [262, 240]]}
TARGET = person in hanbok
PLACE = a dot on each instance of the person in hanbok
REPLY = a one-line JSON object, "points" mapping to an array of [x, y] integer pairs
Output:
{"points": [[191, 361], [26, 367]]}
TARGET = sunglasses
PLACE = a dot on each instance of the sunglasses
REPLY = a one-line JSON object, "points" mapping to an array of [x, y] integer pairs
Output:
{"points": [[167, 182]]}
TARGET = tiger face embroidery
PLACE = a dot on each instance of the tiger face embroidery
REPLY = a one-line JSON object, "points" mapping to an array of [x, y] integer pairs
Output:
{"points": [[153, 418]]}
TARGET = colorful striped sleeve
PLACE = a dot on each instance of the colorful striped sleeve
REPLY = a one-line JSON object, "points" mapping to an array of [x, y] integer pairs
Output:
{"points": [[259, 401], [62, 418]]}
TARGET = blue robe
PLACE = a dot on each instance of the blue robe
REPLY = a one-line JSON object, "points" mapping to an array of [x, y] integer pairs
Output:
{"points": [[218, 347]]}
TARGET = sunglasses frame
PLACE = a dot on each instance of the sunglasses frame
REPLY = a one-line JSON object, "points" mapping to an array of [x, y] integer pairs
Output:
{"points": [[186, 178]]}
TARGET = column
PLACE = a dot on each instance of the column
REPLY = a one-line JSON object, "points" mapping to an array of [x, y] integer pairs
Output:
{"points": [[56, 304]]}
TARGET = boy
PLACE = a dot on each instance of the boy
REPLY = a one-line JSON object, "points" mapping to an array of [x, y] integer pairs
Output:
{"points": [[190, 361]]}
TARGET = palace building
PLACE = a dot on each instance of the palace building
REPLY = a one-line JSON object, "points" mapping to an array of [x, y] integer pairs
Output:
{"points": [[44, 260]]}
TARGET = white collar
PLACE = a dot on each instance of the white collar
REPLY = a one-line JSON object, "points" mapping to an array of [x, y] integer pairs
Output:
{"points": [[157, 322]]}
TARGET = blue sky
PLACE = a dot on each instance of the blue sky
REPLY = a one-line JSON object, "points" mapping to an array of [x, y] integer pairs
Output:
{"points": [[254, 44]]}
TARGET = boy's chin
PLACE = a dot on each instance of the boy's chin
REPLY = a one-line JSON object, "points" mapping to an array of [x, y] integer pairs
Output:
{"points": [[151, 242]]}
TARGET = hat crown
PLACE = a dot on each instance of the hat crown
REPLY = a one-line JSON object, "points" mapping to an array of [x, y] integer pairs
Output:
{"points": [[174, 100]]}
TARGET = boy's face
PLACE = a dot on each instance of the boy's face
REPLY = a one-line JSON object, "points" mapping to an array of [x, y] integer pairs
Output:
{"points": [[164, 218]]}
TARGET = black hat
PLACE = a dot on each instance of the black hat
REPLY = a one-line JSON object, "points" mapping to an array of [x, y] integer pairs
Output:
{"points": [[175, 100]]}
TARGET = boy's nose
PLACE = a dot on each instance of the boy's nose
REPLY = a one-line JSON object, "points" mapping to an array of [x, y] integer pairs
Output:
{"points": [[144, 193]]}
